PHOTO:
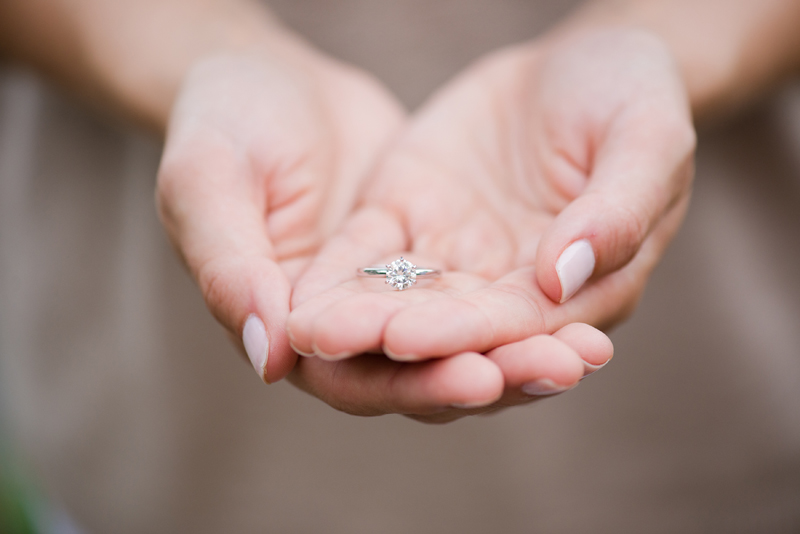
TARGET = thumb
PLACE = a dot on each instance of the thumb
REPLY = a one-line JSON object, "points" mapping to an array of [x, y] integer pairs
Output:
{"points": [[638, 175], [217, 224]]}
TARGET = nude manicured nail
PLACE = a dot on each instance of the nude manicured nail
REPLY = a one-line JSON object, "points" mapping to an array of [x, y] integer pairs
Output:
{"points": [[301, 353], [399, 357], [256, 344], [574, 267], [543, 387], [294, 348], [470, 405], [590, 369], [330, 357]]}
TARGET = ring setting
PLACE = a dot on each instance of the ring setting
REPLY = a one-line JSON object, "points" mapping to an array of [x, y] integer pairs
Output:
{"points": [[400, 274]]}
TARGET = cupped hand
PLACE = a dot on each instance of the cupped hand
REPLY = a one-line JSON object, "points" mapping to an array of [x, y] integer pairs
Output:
{"points": [[265, 156], [466, 383], [544, 171]]}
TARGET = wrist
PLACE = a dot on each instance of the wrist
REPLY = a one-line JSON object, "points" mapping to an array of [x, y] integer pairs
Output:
{"points": [[727, 52], [142, 77]]}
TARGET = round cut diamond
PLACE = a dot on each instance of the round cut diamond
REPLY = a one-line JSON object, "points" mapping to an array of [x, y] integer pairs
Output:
{"points": [[401, 274]]}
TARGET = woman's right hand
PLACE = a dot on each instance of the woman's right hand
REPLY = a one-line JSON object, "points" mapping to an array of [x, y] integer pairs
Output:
{"points": [[264, 158]]}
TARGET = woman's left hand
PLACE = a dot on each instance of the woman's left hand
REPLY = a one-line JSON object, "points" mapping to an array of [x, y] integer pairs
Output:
{"points": [[584, 138]]}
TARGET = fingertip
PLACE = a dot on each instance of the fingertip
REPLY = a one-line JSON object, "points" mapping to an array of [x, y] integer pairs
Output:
{"points": [[546, 275], [563, 271], [269, 352], [593, 346], [469, 380], [319, 353], [269, 291], [574, 267], [353, 325], [256, 343], [539, 363], [299, 325], [281, 360], [298, 350], [459, 326], [464, 381], [409, 357]]}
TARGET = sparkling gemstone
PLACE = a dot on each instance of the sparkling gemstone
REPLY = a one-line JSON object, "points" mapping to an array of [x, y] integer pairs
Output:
{"points": [[401, 274]]}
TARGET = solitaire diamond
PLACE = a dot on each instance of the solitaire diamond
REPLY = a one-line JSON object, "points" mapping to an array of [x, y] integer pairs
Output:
{"points": [[401, 274]]}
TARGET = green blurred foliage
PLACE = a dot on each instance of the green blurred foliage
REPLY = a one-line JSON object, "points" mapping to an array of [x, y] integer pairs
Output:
{"points": [[15, 512]]}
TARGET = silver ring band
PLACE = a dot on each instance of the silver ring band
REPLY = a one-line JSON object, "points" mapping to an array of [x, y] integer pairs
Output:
{"points": [[400, 274], [383, 271]]}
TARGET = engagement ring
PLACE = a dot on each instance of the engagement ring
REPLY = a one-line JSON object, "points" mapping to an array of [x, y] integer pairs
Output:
{"points": [[400, 274]]}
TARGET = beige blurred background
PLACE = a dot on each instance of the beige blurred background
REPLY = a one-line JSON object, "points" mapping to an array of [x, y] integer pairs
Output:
{"points": [[125, 402]]}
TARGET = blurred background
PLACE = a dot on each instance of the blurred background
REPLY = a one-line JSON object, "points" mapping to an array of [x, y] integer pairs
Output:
{"points": [[125, 409]]}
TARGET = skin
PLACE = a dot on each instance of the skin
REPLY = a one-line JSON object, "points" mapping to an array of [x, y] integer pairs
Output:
{"points": [[532, 149], [271, 145], [526, 153], [268, 143], [631, 147], [277, 175], [262, 162]]}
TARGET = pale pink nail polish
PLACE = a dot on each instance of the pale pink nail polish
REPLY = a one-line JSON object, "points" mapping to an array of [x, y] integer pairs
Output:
{"points": [[574, 267], [470, 405], [330, 357], [590, 369], [300, 352], [543, 387], [399, 357], [294, 348], [256, 344]]}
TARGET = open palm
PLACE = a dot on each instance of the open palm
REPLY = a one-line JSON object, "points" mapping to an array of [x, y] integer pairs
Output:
{"points": [[531, 150]]}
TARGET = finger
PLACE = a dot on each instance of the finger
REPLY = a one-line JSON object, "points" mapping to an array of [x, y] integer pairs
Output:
{"points": [[216, 222], [535, 367], [642, 169], [374, 385], [540, 366], [355, 325], [368, 236], [593, 346], [350, 319], [546, 365], [364, 241], [515, 307], [508, 310]]}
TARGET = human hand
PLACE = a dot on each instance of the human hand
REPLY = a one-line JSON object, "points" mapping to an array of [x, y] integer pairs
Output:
{"points": [[264, 158], [582, 139], [442, 390], [251, 184]]}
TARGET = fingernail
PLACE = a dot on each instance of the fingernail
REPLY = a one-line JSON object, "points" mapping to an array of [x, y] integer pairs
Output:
{"points": [[574, 267], [330, 357], [399, 357], [291, 344], [589, 369], [470, 405], [543, 387], [256, 344], [300, 352]]}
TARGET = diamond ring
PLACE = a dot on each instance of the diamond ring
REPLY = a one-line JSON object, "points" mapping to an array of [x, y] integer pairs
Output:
{"points": [[400, 274]]}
